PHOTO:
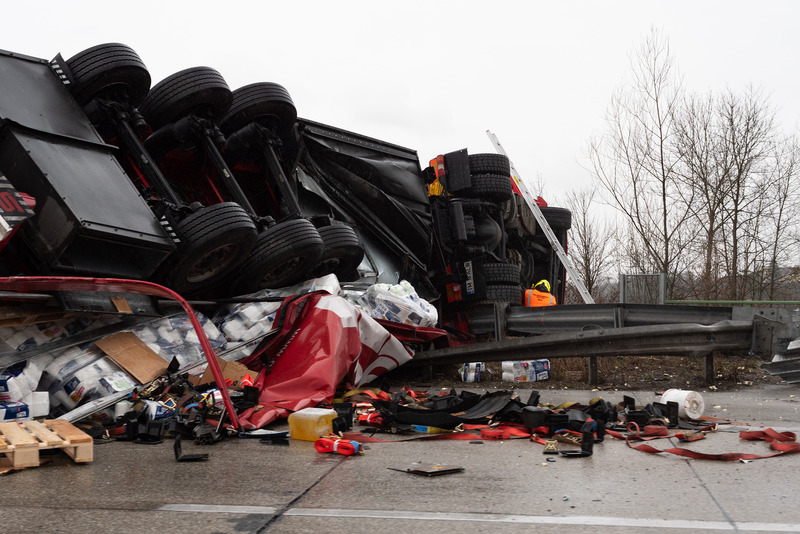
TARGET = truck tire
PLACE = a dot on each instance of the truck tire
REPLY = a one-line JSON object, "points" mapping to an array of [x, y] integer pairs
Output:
{"points": [[106, 65], [198, 89], [503, 293], [216, 239], [491, 186], [501, 274], [489, 164], [342, 254], [560, 218], [267, 103], [284, 254]]}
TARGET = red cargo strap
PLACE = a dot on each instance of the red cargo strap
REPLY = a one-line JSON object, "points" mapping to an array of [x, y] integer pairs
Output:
{"points": [[512, 429], [782, 442], [634, 434], [346, 447]]}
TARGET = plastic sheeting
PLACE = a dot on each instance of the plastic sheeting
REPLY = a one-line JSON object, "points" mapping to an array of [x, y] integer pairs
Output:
{"points": [[321, 341]]}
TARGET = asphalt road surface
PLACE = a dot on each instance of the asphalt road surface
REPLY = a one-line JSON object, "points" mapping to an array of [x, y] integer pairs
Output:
{"points": [[505, 486]]}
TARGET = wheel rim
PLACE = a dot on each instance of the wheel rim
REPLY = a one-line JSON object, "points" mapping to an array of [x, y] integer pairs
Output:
{"points": [[282, 271], [331, 265], [212, 263]]}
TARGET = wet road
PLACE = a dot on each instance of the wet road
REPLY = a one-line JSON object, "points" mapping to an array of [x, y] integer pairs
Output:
{"points": [[506, 486]]}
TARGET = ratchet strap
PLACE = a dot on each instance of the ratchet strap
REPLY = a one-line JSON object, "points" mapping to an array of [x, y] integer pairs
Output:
{"points": [[337, 445], [781, 442]]}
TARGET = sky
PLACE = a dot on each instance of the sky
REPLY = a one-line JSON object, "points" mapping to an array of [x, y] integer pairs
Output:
{"points": [[434, 76]]}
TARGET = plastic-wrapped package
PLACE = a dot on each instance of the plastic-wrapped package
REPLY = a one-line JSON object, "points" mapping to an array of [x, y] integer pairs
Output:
{"points": [[20, 380], [244, 325], [14, 411], [66, 363], [399, 303], [329, 283], [175, 337], [38, 403], [85, 384], [526, 370], [471, 372], [24, 337]]}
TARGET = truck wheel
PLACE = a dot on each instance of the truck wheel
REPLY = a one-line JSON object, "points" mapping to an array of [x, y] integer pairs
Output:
{"points": [[491, 186], [215, 240], [489, 164], [106, 65], [343, 252], [510, 294], [560, 218], [503, 293], [501, 273], [284, 254], [198, 89], [267, 103]]}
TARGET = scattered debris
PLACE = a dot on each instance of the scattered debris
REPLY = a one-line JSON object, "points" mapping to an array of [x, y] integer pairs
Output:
{"points": [[179, 456], [429, 470]]}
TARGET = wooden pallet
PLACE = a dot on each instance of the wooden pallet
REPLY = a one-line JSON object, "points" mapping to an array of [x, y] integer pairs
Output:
{"points": [[20, 442]]}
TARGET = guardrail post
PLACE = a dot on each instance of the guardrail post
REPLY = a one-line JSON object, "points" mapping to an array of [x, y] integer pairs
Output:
{"points": [[593, 371], [499, 320], [708, 371]]}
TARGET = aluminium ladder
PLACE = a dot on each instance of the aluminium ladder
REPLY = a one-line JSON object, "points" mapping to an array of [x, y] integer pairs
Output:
{"points": [[537, 213]]}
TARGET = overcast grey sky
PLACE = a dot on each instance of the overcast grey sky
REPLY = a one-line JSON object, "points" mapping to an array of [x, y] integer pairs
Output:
{"points": [[435, 75]]}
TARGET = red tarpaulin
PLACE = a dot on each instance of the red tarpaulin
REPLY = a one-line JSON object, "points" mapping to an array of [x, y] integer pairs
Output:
{"points": [[322, 341]]}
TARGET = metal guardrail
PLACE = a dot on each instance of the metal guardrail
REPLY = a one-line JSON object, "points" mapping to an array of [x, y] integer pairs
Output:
{"points": [[661, 340], [554, 319], [737, 302], [788, 370]]}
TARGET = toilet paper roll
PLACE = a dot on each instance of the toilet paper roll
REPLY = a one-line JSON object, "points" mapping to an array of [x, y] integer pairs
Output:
{"points": [[690, 403]]}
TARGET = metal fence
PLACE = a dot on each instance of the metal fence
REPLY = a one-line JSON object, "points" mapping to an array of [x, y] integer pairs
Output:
{"points": [[642, 288]]}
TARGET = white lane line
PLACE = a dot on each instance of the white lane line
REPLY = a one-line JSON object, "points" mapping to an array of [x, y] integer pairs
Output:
{"points": [[545, 520], [218, 509], [600, 521]]}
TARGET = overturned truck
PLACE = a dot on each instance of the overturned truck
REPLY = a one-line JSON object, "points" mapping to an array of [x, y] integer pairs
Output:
{"points": [[215, 193]]}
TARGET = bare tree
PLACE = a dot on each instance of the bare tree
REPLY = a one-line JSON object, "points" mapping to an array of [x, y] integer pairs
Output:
{"points": [[786, 165], [748, 138], [590, 240], [737, 180], [704, 185], [635, 161]]}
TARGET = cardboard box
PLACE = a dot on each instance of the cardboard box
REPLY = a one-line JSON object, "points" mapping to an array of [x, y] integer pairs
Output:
{"points": [[233, 371], [133, 356]]}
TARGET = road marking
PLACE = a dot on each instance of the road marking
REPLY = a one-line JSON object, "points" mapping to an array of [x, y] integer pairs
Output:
{"points": [[545, 520], [218, 509], [599, 521]]}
